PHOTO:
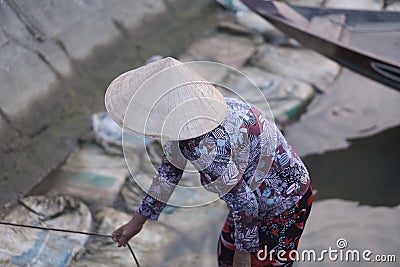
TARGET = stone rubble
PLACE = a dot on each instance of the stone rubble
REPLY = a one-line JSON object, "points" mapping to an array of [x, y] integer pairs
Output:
{"points": [[90, 174], [223, 48], [395, 6], [25, 247], [359, 4], [301, 64], [287, 75], [286, 97], [103, 252]]}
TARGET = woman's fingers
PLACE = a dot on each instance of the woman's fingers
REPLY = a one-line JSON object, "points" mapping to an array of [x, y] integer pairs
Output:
{"points": [[115, 237], [122, 235], [118, 234], [126, 232], [123, 240]]}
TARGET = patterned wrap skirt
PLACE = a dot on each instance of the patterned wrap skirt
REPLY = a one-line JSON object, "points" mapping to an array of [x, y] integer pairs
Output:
{"points": [[278, 233]]}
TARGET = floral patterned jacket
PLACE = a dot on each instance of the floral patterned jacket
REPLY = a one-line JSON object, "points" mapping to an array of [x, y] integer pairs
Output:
{"points": [[246, 160]]}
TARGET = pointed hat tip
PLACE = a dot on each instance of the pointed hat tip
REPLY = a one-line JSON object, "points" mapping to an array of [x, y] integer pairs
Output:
{"points": [[170, 61]]}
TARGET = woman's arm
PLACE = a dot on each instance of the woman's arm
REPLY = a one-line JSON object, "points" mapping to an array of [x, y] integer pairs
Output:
{"points": [[241, 259], [164, 182]]}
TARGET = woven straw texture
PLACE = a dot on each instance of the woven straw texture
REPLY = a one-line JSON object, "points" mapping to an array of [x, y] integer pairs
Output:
{"points": [[166, 100]]}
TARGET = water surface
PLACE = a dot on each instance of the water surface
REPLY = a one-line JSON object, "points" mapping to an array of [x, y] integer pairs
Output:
{"points": [[367, 171]]}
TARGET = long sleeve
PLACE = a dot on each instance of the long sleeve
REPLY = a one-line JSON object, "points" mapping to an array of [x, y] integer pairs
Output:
{"points": [[164, 181], [242, 203], [240, 199]]}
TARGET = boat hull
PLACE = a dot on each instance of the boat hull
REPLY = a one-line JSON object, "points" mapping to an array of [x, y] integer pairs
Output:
{"points": [[385, 70]]}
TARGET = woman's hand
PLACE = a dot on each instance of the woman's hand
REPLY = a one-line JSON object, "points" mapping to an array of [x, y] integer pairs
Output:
{"points": [[241, 259], [128, 230]]}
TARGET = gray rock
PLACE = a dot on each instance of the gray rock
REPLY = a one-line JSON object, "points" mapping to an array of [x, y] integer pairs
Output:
{"points": [[170, 242], [359, 4], [307, 2], [319, 24], [81, 25], [3, 39], [395, 6], [15, 98], [5, 131], [129, 13], [185, 246], [103, 252], [255, 22], [301, 64], [286, 97], [234, 28], [48, 51], [211, 71], [231, 50], [46, 208], [11, 25], [89, 174], [22, 246]]}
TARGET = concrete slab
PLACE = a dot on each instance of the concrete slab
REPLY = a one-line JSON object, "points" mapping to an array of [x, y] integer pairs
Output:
{"points": [[11, 25], [316, 3], [286, 97], [395, 6], [54, 57], [3, 39], [234, 28], [89, 174], [128, 13], [48, 126], [20, 169], [255, 22], [360, 4], [48, 50], [211, 71], [227, 49], [4, 128], [19, 71], [78, 24], [301, 64]]}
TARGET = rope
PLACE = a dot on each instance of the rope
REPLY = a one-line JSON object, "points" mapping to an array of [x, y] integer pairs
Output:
{"points": [[68, 231], [133, 254]]}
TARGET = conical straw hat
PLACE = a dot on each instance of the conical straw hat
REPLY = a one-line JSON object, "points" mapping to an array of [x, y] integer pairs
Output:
{"points": [[165, 99]]}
